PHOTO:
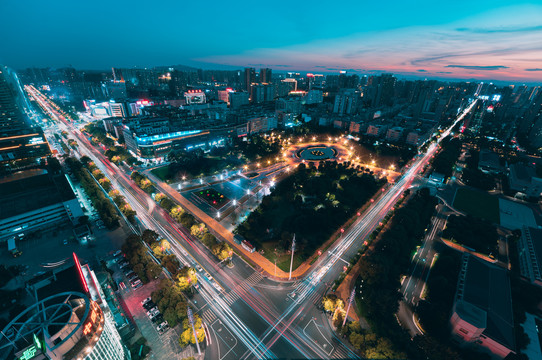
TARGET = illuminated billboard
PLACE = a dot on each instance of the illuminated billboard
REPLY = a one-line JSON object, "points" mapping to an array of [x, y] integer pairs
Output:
{"points": [[195, 97]]}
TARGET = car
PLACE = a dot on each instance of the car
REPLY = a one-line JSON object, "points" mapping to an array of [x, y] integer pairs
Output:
{"points": [[132, 277], [162, 326], [122, 286], [129, 273], [117, 253], [138, 286], [146, 300], [216, 286], [153, 312], [157, 319], [149, 305], [199, 268], [65, 242], [135, 283]]}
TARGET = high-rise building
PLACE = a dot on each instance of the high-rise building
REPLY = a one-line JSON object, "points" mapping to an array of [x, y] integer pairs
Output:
{"points": [[262, 93], [249, 78], [238, 98], [18, 140], [12, 121], [346, 102], [265, 75]]}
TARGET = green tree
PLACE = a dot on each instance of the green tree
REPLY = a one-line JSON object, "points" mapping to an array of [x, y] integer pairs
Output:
{"points": [[186, 278], [187, 336], [209, 240], [222, 251], [153, 270], [149, 236], [176, 213]]}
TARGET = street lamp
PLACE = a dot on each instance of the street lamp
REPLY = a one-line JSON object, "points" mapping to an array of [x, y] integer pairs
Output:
{"points": [[218, 214], [234, 202]]}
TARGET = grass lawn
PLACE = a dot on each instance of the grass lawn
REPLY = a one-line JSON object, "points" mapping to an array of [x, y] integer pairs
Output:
{"points": [[477, 204], [283, 261], [161, 173]]}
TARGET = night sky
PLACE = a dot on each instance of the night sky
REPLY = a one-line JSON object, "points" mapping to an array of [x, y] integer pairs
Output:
{"points": [[456, 39]]}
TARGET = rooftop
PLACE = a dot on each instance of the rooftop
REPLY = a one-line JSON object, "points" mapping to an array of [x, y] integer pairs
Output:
{"points": [[30, 190], [487, 288]]}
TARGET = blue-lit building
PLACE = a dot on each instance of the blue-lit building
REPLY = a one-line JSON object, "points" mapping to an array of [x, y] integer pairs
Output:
{"points": [[157, 146]]}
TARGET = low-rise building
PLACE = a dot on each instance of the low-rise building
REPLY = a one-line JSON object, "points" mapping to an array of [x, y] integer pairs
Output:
{"points": [[482, 314], [376, 130], [530, 254], [489, 162], [394, 134], [523, 179], [33, 199]]}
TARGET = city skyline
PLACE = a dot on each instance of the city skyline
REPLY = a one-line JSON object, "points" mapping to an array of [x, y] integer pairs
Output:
{"points": [[484, 41]]}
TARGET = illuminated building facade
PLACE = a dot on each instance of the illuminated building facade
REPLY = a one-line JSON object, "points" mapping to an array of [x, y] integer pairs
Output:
{"points": [[73, 324], [18, 141]]}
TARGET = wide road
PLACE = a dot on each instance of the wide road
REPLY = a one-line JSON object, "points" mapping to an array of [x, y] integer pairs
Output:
{"points": [[263, 319]]}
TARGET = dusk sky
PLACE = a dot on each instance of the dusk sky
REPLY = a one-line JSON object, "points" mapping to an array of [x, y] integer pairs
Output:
{"points": [[456, 39]]}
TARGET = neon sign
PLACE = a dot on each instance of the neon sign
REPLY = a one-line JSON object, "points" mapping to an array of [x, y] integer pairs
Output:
{"points": [[32, 350], [88, 326], [80, 271]]}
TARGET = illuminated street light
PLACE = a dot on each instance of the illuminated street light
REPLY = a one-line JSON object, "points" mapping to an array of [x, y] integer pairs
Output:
{"points": [[234, 202], [218, 214]]}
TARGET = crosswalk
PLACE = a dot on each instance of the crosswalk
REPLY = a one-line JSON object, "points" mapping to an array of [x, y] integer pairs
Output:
{"points": [[255, 278], [316, 298], [208, 316], [231, 297], [341, 353], [252, 280]]}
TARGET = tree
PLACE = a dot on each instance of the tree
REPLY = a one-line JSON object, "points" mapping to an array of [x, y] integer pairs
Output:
{"points": [[187, 336], [176, 213], [331, 302], [208, 240], [149, 236], [187, 220], [222, 251], [161, 248], [153, 270], [198, 230], [186, 278]]}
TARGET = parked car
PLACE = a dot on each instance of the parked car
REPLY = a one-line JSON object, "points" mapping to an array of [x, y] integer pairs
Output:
{"points": [[146, 300], [117, 253], [162, 326], [157, 319], [153, 312], [135, 282], [138, 286], [149, 305]]}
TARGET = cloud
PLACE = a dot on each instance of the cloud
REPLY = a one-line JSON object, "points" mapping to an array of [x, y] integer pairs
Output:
{"points": [[421, 70], [535, 69], [444, 72], [479, 67], [510, 29]]}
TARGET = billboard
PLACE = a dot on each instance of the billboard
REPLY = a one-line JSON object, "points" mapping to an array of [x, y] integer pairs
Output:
{"points": [[195, 97]]}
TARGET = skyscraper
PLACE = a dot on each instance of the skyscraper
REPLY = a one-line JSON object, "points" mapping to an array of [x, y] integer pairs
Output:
{"points": [[265, 75], [18, 140], [249, 78], [12, 120]]}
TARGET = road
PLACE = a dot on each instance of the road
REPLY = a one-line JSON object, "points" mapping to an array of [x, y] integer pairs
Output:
{"points": [[266, 319]]}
